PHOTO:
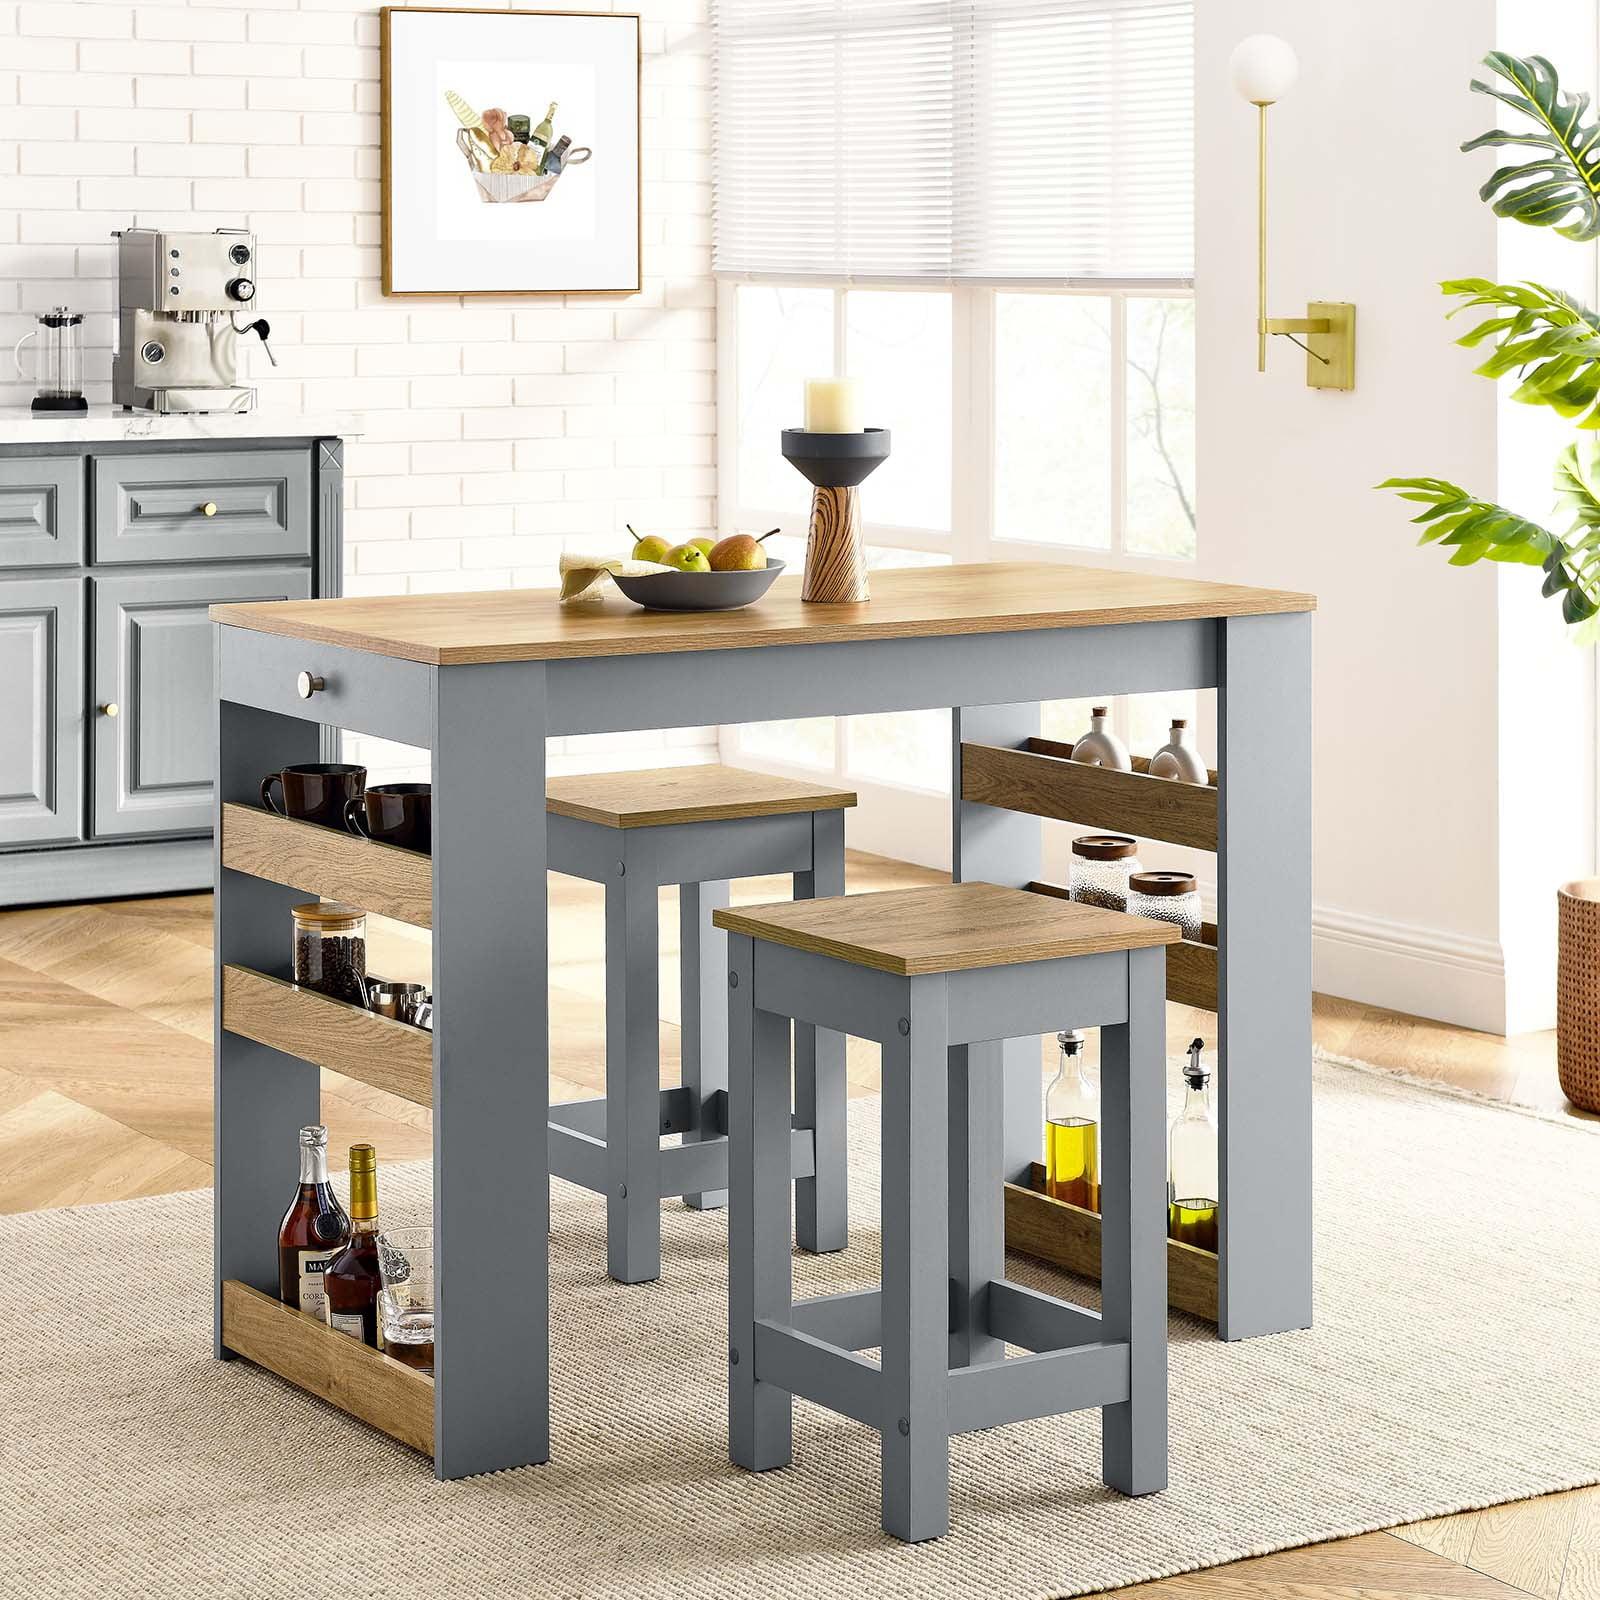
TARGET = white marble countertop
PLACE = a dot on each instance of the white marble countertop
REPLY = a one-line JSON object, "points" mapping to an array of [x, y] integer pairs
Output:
{"points": [[113, 425]]}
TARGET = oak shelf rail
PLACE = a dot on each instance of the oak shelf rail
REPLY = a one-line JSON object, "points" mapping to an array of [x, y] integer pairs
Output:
{"points": [[376, 1050], [380, 878], [1069, 1236], [361, 1381]]}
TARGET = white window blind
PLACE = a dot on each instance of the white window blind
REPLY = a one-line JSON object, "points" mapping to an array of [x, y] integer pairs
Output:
{"points": [[1007, 141]]}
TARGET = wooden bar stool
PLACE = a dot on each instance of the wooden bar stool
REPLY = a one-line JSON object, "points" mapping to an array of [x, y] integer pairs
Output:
{"points": [[931, 973], [696, 827]]}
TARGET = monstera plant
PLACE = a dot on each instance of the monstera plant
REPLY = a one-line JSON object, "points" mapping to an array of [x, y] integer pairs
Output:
{"points": [[1543, 338]]}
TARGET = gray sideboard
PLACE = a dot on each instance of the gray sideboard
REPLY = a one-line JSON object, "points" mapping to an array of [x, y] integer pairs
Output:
{"points": [[112, 550]]}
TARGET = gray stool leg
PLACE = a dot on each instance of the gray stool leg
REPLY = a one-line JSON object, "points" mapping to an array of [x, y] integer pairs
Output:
{"points": [[704, 1033], [760, 1281], [633, 1081], [977, 1199], [916, 1296], [822, 1205], [1133, 1233]]}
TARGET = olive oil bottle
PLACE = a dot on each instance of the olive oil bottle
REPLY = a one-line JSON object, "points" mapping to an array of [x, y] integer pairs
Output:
{"points": [[1072, 1129], [1192, 1161]]}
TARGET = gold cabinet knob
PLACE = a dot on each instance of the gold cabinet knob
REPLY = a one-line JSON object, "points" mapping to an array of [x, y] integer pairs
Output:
{"points": [[109, 709], [209, 509], [307, 684]]}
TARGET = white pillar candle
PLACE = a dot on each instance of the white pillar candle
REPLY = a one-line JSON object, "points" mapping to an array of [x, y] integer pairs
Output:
{"points": [[833, 405]]}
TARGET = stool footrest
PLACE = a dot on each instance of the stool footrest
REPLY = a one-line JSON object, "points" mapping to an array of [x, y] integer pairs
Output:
{"points": [[582, 1157], [589, 1116], [1039, 1321], [816, 1370], [1042, 1385], [852, 1321]]}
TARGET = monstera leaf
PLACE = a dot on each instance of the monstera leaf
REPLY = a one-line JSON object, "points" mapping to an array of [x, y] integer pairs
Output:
{"points": [[1559, 187], [1479, 530], [1545, 337]]}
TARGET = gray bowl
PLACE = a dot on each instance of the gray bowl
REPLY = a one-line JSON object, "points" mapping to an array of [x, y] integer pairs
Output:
{"points": [[699, 591]]}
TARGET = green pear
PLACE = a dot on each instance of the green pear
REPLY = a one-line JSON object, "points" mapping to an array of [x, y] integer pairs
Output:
{"points": [[651, 548], [687, 558], [703, 543]]}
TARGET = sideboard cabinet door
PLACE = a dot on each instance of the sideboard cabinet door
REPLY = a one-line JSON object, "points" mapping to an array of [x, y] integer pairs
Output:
{"points": [[41, 710], [152, 661]]}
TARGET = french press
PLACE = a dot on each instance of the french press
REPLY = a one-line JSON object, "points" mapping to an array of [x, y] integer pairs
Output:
{"points": [[58, 361]]}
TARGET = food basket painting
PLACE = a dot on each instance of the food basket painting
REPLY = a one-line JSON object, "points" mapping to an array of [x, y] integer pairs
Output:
{"points": [[509, 159], [511, 152]]}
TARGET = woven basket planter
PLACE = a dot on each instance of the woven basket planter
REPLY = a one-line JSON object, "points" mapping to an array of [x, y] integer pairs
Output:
{"points": [[1578, 993]]}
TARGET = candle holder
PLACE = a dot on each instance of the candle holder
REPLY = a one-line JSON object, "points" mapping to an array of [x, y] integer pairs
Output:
{"points": [[835, 464]]}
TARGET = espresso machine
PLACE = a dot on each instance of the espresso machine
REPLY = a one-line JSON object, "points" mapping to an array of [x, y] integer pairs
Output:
{"points": [[184, 300]]}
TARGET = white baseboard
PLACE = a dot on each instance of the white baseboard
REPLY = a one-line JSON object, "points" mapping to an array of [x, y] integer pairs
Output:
{"points": [[1420, 971]]}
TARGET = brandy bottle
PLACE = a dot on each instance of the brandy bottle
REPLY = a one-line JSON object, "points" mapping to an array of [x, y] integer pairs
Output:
{"points": [[313, 1228], [352, 1280]]}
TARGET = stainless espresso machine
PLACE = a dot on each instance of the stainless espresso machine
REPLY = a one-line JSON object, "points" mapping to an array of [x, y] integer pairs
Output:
{"points": [[184, 301]]}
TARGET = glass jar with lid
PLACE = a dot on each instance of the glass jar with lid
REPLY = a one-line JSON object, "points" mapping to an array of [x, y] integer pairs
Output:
{"points": [[1101, 866], [330, 950], [1168, 897]]}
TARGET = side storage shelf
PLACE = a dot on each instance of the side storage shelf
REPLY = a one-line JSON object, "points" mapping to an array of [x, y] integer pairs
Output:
{"points": [[315, 1027], [343, 1371], [1068, 1236]]}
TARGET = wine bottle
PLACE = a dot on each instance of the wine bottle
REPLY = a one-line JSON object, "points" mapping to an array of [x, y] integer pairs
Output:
{"points": [[351, 1280], [545, 132], [313, 1228]]}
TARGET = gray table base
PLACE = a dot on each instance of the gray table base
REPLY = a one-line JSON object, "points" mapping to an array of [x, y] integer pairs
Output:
{"points": [[613, 1146], [945, 1311]]}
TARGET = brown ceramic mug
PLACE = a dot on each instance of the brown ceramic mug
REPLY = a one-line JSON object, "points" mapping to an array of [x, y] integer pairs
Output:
{"points": [[394, 813], [316, 792]]}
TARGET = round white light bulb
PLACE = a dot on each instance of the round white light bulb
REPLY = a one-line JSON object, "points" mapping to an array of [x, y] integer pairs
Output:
{"points": [[1263, 68]]}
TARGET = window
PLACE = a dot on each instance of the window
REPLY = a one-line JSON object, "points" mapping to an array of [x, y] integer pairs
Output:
{"points": [[993, 232]]}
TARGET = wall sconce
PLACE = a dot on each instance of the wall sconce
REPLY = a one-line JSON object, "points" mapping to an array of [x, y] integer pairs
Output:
{"points": [[1264, 69]]}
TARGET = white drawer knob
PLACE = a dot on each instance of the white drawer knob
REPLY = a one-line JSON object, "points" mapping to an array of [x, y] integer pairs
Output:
{"points": [[307, 684], [209, 508], [109, 709]]}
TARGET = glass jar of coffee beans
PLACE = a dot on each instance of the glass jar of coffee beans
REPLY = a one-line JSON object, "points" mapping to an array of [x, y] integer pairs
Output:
{"points": [[330, 950], [1168, 897], [1101, 865]]}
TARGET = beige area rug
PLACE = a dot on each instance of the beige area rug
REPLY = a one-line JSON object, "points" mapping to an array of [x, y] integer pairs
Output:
{"points": [[1452, 1365]]}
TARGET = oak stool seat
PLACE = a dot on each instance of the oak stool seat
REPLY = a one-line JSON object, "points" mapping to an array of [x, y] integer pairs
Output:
{"points": [[939, 977], [697, 827]]}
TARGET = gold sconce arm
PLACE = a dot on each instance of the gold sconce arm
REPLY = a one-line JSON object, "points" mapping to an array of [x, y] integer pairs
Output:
{"points": [[1327, 332]]}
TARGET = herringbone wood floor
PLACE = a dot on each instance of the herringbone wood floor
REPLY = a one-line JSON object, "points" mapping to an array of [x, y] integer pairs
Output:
{"points": [[105, 1094]]}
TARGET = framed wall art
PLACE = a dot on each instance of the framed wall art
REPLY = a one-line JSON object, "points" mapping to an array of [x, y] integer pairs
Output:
{"points": [[510, 152]]}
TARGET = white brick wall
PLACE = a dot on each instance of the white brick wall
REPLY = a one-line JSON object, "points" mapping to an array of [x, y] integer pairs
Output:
{"points": [[499, 431]]}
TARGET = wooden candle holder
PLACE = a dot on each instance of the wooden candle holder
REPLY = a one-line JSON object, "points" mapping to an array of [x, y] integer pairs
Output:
{"points": [[835, 464]]}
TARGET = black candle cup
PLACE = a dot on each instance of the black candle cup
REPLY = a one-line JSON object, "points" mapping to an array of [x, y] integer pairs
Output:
{"points": [[835, 460]]}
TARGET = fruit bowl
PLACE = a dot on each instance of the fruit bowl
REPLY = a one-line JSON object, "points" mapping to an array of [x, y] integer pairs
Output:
{"points": [[699, 591]]}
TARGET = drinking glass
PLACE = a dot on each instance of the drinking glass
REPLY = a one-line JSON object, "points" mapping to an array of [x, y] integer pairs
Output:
{"points": [[405, 1302]]}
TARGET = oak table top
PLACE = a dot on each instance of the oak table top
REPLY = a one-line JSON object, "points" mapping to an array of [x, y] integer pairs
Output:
{"points": [[667, 796], [914, 602], [944, 928]]}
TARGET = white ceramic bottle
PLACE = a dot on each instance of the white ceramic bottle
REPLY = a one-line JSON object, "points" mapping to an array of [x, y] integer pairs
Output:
{"points": [[1100, 747], [1178, 758]]}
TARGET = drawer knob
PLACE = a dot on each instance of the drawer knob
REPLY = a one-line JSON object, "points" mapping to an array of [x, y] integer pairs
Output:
{"points": [[307, 684], [109, 709], [209, 508]]}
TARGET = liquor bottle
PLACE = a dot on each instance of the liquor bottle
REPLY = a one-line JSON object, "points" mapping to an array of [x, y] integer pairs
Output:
{"points": [[313, 1228], [1192, 1161], [555, 158], [1072, 1129], [351, 1281], [1100, 747], [545, 132]]}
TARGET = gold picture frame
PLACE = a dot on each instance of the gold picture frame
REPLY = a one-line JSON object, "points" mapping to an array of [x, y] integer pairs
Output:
{"points": [[386, 49]]}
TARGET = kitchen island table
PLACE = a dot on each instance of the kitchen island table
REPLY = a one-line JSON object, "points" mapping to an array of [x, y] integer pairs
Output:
{"points": [[483, 680]]}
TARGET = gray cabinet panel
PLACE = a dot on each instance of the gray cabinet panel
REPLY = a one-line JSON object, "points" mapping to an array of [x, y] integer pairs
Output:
{"points": [[153, 661], [41, 511], [41, 710], [202, 507]]}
